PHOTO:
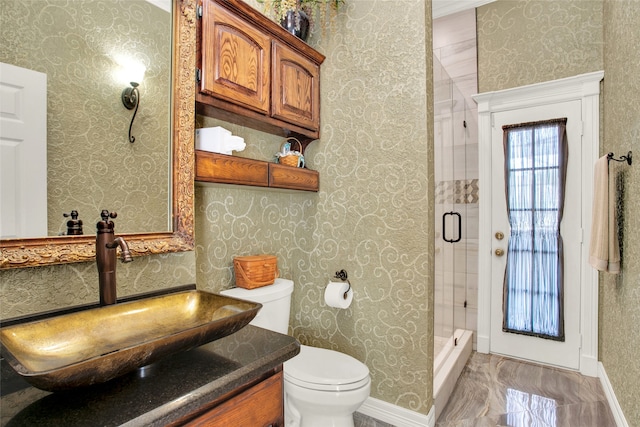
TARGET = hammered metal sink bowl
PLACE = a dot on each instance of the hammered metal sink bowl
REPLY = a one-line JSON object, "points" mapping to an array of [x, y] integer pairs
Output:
{"points": [[99, 344]]}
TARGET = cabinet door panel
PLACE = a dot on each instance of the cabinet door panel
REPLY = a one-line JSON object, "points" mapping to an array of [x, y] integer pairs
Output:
{"points": [[295, 95], [261, 405], [235, 59]]}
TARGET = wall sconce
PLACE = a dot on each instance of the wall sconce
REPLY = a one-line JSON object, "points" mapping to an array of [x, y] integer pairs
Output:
{"points": [[131, 100]]}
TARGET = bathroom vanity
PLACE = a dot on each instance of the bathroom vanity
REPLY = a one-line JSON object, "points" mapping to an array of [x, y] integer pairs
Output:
{"points": [[234, 381]]}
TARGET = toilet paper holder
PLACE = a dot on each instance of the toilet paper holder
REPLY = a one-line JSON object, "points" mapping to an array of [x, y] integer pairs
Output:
{"points": [[342, 275]]}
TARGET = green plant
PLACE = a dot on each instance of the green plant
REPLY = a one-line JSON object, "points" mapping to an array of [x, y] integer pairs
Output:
{"points": [[317, 11]]}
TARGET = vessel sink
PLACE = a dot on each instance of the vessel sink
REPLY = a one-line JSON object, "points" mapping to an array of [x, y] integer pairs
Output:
{"points": [[99, 344]]}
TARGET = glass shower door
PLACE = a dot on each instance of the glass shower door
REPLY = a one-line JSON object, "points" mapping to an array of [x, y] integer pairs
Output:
{"points": [[456, 201]]}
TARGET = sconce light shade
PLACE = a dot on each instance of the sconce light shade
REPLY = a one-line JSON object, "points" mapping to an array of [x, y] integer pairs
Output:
{"points": [[131, 100]]}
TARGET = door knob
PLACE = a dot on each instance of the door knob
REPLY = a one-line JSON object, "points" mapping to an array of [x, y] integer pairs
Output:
{"points": [[499, 252], [499, 235]]}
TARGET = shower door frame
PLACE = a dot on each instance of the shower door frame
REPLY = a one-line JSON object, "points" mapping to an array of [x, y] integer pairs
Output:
{"points": [[586, 88], [452, 139]]}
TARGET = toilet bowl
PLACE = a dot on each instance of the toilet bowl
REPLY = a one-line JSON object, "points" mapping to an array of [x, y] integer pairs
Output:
{"points": [[322, 388]]}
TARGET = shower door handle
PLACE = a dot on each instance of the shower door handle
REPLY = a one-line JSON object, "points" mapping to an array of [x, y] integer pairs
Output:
{"points": [[444, 227]]}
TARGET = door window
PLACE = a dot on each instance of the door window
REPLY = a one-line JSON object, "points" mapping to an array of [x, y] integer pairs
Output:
{"points": [[535, 175]]}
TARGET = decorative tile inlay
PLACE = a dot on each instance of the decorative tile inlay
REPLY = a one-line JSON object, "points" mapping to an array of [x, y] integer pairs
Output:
{"points": [[460, 191]]}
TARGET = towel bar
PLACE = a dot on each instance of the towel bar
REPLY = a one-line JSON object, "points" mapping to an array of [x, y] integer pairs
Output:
{"points": [[626, 158]]}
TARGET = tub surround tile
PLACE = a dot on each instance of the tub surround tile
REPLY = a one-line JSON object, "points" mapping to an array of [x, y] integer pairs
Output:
{"points": [[459, 59], [449, 30], [495, 390], [472, 323]]}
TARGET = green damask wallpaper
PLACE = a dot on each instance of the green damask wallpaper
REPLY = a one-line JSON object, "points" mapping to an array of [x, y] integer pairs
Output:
{"points": [[529, 41], [25, 291], [620, 295], [373, 213]]}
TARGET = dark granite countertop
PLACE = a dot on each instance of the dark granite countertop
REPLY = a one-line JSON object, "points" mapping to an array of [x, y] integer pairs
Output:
{"points": [[155, 395]]}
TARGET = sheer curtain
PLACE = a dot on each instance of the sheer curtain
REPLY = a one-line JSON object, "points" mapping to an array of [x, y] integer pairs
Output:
{"points": [[535, 175]]}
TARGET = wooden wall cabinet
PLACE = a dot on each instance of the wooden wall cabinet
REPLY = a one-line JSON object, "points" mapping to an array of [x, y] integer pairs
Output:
{"points": [[256, 74], [261, 405]]}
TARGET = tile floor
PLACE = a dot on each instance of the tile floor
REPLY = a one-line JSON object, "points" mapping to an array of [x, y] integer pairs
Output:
{"points": [[498, 391], [360, 420]]}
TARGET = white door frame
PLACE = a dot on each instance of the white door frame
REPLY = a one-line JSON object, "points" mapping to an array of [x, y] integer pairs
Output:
{"points": [[584, 87]]}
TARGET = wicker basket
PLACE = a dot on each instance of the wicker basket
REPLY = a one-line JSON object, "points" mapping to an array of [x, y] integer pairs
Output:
{"points": [[255, 271], [293, 159]]}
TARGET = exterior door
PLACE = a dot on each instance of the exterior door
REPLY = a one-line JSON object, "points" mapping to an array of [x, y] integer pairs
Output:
{"points": [[564, 353], [23, 152]]}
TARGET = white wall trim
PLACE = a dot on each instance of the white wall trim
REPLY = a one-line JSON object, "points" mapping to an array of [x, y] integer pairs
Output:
{"points": [[396, 415], [618, 415], [584, 87], [442, 8]]}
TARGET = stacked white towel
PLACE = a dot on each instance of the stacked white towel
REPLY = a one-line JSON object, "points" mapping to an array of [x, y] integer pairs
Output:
{"points": [[218, 140], [604, 251]]}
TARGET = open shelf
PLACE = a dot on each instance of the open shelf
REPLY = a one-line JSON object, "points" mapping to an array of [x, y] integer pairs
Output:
{"points": [[225, 169]]}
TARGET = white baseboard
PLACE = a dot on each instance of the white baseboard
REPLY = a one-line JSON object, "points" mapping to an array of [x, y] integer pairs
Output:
{"points": [[618, 415], [396, 415], [483, 344], [589, 366]]}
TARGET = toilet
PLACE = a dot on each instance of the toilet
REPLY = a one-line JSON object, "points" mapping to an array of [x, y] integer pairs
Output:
{"points": [[322, 388]]}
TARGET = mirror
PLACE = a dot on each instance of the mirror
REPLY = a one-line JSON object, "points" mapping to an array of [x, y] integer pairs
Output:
{"points": [[26, 252], [64, 126]]}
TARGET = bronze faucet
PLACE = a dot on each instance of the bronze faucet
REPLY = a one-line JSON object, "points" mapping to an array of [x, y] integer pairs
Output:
{"points": [[106, 246]]}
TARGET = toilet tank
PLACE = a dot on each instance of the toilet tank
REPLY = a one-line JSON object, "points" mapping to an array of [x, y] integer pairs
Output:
{"points": [[275, 300]]}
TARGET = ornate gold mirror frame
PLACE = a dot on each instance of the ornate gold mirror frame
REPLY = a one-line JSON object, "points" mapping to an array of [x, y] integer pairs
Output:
{"points": [[18, 253]]}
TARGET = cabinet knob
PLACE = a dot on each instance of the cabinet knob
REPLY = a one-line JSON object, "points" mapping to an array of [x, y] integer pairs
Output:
{"points": [[499, 235], [499, 252]]}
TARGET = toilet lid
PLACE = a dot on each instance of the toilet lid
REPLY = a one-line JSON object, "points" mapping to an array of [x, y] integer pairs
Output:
{"points": [[322, 369]]}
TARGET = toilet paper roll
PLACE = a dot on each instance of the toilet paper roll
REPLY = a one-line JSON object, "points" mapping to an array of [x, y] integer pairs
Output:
{"points": [[335, 292]]}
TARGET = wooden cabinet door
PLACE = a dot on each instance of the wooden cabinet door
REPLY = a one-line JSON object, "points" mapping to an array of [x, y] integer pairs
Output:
{"points": [[295, 93], [260, 406], [235, 59]]}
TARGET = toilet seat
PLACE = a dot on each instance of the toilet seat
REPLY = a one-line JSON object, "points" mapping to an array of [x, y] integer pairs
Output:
{"points": [[325, 370]]}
